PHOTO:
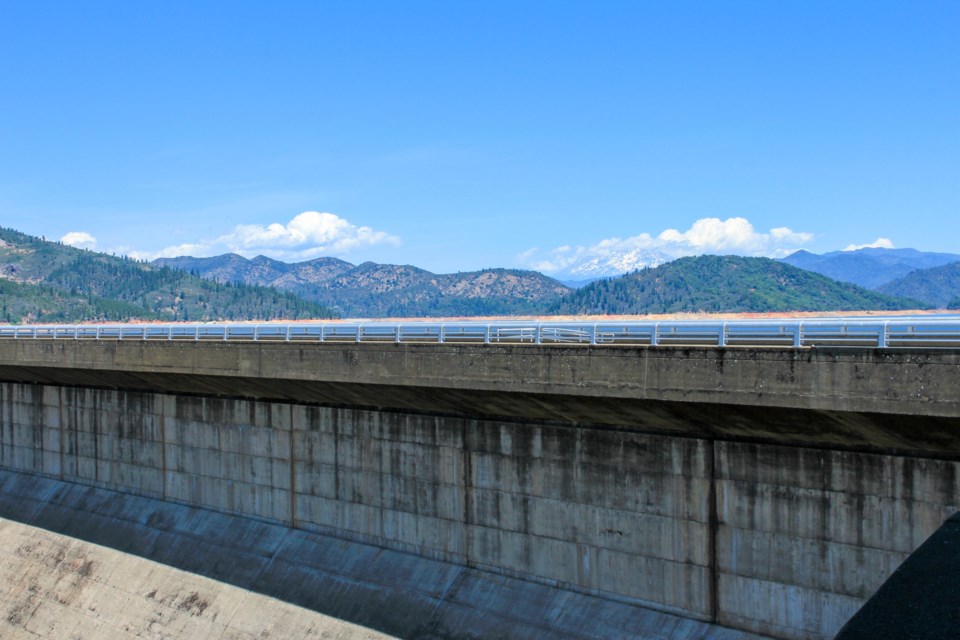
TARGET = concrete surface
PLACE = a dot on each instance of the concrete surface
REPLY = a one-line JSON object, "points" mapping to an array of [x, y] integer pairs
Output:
{"points": [[889, 401], [921, 600], [784, 541], [58, 587], [81, 562]]}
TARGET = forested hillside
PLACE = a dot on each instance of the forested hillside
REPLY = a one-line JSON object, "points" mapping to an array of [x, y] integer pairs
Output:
{"points": [[870, 267], [49, 282], [938, 287], [724, 284]]}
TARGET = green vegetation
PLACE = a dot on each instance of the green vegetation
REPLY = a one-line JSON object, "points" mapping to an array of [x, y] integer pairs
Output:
{"points": [[405, 292], [385, 290], [49, 282], [938, 286], [724, 284], [20, 302]]}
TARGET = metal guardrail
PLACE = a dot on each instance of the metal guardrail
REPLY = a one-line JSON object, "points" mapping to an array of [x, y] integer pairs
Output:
{"points": [[913, 332]]}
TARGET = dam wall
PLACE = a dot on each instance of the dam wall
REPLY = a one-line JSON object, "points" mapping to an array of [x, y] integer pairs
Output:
{"points": [[672, 522]]}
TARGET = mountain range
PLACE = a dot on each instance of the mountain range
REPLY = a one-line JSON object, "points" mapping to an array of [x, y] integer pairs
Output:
{"points": [[50, 282], [937, 286], [44, 281], [384, 290], [870, 267], [724, 284]]}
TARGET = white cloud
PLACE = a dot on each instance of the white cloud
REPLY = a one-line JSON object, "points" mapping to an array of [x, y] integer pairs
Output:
{"points": [[733, 235], [79, 239], [706, 235], [308, 235], [879, 243]]}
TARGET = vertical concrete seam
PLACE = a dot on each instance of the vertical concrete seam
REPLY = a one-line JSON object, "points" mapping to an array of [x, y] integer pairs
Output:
{"points": [[713, 525], [163, 443], [39, 427], [293, 476], [96, 435], [467, 471], [4, 401], [63, 426]]}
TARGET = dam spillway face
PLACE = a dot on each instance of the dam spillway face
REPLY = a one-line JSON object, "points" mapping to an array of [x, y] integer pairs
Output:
{"points": [[503, 519], [57, 586]]}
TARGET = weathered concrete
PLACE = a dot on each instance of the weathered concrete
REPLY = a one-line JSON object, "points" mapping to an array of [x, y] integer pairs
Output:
{"points": [[890, 401], [778, 540], [921, 600], [58, 586]]}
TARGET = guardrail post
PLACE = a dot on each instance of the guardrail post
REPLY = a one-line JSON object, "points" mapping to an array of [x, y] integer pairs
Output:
{"points": [[722, 337], [593, 334], [798, 335], [655, 335], [486, 334], [882, 336], [538, 334]]}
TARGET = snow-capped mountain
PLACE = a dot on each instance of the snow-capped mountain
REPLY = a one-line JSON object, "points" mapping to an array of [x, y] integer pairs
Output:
{"points": [[612, 264]]}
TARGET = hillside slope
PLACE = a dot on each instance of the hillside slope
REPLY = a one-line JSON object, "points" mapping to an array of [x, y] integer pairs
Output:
{"points": [[383, 290], [938, 287], [724, 284], [871, 267], [50, 282]]}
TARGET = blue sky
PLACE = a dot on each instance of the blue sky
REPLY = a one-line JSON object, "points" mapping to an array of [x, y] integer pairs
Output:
{"points": [[462, 135]]}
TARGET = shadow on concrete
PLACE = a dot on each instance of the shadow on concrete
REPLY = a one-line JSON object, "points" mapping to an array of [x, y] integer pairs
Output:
{"points": [[400, 594], [921, 599]]}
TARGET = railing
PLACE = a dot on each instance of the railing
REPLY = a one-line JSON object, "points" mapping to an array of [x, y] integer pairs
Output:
{"points": [[912, 332]]}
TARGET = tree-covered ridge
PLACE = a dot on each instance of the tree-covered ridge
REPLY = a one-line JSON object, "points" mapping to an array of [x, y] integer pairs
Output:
{"points": [[62, 283], [937, 286], [22, 302], [870, 267], [724, 284], [47, 281]]}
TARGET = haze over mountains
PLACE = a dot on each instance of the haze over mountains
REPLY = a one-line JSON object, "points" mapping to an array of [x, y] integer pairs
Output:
{"points": [[869, 267], [937, 286]]}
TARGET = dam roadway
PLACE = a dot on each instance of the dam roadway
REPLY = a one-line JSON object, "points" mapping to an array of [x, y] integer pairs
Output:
{"points": [[468, 490]]}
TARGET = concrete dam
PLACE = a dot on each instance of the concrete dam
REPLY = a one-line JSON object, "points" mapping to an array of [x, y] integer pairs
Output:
{"points": [[288, 489]]}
